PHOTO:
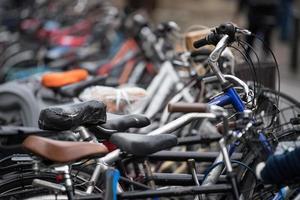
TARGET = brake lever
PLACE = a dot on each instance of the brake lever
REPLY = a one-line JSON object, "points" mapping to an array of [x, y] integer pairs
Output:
{"points": [[243, 31]]}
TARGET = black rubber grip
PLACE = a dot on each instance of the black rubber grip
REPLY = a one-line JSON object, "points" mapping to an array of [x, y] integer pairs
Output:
{"points": [[201, 52], [200, 43]]}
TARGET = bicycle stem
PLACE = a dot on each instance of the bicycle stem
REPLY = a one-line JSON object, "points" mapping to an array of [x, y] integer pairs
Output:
{"points": [[235, 79], [214, 57]]}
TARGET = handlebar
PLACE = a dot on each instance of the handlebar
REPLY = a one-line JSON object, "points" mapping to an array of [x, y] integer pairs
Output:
{"points": [[224, 29], [201, 43], [221, 37], [196, 108], [188, 107], [236, 80], [214, 57], [209, 39], [201, 52], [231, 125]]}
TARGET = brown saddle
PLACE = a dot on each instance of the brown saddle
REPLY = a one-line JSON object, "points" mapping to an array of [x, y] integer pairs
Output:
{"points": [[62, 151]]}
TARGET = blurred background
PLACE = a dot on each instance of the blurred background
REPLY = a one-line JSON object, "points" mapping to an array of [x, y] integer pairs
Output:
{"points": [[281, 15], [276, 21]]}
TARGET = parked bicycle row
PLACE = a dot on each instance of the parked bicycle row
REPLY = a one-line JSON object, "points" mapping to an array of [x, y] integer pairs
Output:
{"points": [[109, 107]]}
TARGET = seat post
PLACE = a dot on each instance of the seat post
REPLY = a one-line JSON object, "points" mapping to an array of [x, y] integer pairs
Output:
{"points": [[84, 134], [100, 167], [68, 181]]}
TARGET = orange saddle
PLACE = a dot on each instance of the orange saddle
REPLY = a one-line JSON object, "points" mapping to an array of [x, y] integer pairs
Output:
{"points": [[59, 79]]}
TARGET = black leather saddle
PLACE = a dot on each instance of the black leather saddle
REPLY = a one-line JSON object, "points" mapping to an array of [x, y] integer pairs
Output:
{"points": [[142, 145], [124, 122], [67, 117], [73, 90]]}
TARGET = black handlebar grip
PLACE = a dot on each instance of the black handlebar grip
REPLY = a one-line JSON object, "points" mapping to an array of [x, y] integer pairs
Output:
{"points": [[200, 43], [201, 52]]}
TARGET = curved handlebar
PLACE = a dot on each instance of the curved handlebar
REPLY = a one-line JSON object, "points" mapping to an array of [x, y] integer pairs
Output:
{"points": [[200, 43], [188, 107], [217, 33], [211, 38]]}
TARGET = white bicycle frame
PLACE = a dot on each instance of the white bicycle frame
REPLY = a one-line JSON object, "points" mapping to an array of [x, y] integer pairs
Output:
{"points": [[159, 89], [161, 86], [110, 158]]}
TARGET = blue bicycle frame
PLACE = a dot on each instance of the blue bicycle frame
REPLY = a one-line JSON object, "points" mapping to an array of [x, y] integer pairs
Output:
{"points": [[230, 97]]}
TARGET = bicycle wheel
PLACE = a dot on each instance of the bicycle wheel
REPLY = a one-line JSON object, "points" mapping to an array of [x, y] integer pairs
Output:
{"points": [[18, 185], [282, 120], [276, 110]]}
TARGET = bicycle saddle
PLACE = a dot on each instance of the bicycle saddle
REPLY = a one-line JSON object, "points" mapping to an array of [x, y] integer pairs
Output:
{"points": [[59, 79], [142, 145], [74, 89], [124, 122], [62, 151], [69, 116]]}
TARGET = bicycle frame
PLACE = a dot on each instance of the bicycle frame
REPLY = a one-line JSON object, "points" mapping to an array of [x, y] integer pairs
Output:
{"points": [[186, 96], [159, 89], [110, 158], [230, 96]]}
